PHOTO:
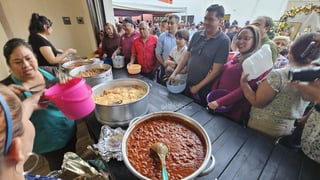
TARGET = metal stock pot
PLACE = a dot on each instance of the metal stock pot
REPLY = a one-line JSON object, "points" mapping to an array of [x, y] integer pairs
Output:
{"points": [[93, 80], [205, 168], [120, 114], [69, 65]]}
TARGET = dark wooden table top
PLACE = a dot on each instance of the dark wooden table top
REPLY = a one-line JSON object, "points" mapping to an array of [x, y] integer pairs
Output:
{"points": [[240, 153]]}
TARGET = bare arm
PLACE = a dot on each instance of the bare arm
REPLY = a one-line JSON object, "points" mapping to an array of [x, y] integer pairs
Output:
{"points": [[309, 91], [31, 104], [160, 59], [47, 53], [262, 97], [116, 52], [180, 66], [133, 58]]}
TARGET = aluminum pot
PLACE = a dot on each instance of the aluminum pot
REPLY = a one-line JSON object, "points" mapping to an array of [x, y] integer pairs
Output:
{"points": [[205, 167], [120, 114], [69, 65], [96, 79], [118, 62]]}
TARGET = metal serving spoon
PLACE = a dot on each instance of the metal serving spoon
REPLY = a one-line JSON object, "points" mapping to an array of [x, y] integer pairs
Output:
{"points": [[161, 150]]}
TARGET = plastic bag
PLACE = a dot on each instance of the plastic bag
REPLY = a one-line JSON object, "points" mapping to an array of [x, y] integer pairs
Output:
{"points": [[109, 144], [258, 63], [75, 168]]}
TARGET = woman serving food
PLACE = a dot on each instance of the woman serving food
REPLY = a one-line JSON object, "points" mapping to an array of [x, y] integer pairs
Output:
{"points": [[49, 122]]}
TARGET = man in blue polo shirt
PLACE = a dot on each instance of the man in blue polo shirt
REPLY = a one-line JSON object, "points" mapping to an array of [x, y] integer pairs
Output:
{"points": [[166, 42], [207, 53]]}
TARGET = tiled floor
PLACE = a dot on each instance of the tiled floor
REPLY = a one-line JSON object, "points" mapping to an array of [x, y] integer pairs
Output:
{"points": [[83, 141]]}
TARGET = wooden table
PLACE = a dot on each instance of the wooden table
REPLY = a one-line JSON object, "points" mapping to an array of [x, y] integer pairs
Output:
{"points": [[240, 153]]}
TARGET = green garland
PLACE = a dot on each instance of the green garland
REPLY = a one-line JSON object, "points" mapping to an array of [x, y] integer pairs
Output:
{"points": [[293, 12]]}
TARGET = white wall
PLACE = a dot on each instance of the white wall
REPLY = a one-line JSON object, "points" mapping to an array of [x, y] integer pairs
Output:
{"points": [[18, 14], [4, 71], [240, 10]]}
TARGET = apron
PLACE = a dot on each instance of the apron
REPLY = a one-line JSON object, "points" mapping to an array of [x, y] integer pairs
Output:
{"points": [[53, 129]]}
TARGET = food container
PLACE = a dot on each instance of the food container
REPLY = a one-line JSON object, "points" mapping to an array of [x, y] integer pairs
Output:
{"points": [[134, 68], [93, 80], [118, 62], [120, 114], [177, 86], [215, 94], [69, 65], [151, 128], [71, 97]]}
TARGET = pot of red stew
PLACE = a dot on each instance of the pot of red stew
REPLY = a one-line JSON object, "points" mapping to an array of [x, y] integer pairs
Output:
{"points": [[189, 146]]}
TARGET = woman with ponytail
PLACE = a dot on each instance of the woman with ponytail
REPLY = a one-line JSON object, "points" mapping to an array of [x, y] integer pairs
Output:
{"points": [[40, 29]]}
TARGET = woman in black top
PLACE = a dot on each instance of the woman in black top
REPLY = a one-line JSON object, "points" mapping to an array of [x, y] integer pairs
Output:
{"points": [[40, 28]]}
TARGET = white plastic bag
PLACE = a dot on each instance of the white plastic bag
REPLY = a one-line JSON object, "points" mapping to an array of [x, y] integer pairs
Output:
{"points": [[258, 63]]}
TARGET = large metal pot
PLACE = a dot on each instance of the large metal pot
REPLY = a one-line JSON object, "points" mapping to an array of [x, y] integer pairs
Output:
{"points": [[69, 65], [96, 79], [120, 114], [118, 62], [204, 169]]}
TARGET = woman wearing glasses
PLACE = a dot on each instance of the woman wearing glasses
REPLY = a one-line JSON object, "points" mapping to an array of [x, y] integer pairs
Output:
{"points": [[40, 29], [55, 133], [248, 41]]}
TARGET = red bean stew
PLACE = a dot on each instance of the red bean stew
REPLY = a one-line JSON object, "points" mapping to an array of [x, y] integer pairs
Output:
{"points": [[187, 150]]}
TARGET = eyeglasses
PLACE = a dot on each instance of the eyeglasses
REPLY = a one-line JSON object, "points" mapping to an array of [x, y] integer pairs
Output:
{"points": [[6, 110], [210, 19], [245, 38]]}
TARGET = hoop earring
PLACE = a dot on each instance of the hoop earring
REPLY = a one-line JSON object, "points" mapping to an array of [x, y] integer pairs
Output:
{"points": [[36, 156]]}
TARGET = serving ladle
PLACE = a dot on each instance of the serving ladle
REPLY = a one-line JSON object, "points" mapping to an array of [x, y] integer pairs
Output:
{"points": [[161, 150]]}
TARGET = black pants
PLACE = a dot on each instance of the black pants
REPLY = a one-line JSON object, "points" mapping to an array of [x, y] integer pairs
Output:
{"points": [[150, 75], [55, 158], [160, 75], [202, 95]]}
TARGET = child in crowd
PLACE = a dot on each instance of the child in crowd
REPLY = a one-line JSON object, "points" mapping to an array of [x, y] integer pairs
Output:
{"points": [[177, 53]]}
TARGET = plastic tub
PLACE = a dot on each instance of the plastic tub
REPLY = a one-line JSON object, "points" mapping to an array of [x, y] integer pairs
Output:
{"points": [[118, 62], [177, 87], [134, 68], [215, 94], [73, 98]]}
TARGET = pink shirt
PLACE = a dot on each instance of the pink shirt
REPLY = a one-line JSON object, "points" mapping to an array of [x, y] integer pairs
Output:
{"points": [[126, 44]]}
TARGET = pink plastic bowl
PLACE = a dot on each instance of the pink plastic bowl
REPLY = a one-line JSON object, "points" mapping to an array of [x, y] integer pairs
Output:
{"points": [[215, 94], [73, 98]]}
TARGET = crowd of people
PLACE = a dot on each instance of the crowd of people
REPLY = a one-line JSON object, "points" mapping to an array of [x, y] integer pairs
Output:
{"points": [[201, 56], [268, 103]]}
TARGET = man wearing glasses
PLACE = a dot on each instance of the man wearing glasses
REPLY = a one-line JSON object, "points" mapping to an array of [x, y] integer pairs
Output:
{"points": [[207, 52], [166, 42], [130, 34]]}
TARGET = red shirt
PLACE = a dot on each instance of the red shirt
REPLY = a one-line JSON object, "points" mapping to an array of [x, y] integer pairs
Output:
{"points": [[145, 53]]}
